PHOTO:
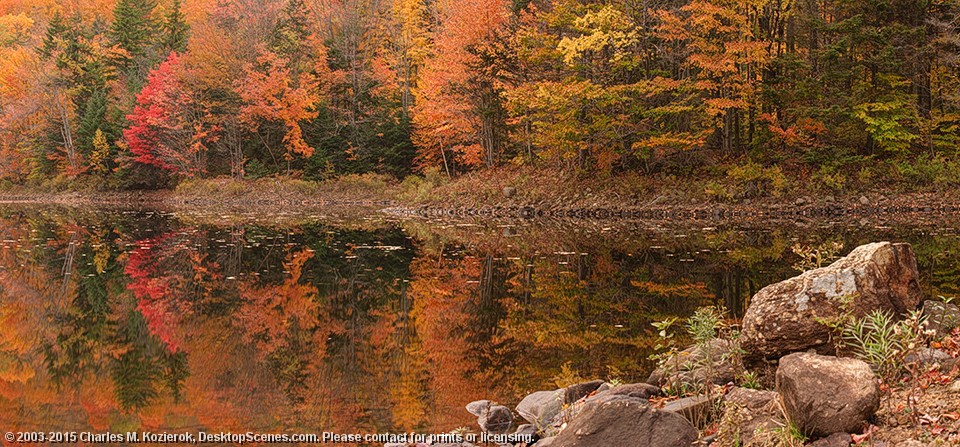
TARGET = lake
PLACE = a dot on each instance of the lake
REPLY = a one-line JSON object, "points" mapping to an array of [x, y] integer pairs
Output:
{"points": [[360, 321]]}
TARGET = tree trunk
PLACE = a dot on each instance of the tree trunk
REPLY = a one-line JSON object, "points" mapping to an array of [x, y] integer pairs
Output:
{"points": [[65, 131]]}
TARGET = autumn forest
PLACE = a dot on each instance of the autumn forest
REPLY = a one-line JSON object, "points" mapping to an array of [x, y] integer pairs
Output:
{"points": [[141, 93]]}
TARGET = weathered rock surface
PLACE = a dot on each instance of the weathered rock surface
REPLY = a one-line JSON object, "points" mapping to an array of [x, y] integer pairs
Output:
{"points": [[547, 410], [696, 409], [745, 412], [834, 440], [541, 407], [526, 429], [823, 395], [496, 419], [546, 442], [711, 362], [626, 422], [574, 393], [927, 356], [782, 317], [641, 391], [478, 407], [941, 317], [491, 417], [636, 390]]}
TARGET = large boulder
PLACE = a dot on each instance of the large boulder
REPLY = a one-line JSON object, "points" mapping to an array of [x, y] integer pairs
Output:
{"points": [[626, 422], [714, 362], [697, 409], [491, 417], [577, 391], [823, 395], [479, 407], [638, 390], [746, 413], [541, 407], [604, 393], [497, 419], [547, 410], [788, 316]]}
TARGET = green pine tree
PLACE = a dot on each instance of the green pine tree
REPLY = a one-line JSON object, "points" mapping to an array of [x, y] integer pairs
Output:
{"points": [[55, 38], [176, 31], [91, 120], [134, 28]]}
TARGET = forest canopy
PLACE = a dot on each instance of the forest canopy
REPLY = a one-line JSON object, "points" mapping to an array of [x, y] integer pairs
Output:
{"points": [[140, 93]]}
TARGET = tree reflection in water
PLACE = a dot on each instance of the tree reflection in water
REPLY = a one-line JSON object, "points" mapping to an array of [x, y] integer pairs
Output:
{"points": [[125, 321]]}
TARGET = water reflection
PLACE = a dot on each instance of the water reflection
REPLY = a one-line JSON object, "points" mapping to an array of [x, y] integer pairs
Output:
{"points": [[140, 320]]}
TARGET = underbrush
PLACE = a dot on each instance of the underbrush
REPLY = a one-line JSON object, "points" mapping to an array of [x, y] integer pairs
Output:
{"points": [[545, 185], [355, 186]]}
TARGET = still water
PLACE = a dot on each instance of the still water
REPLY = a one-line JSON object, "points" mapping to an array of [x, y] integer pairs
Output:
{"points": [[147, 320]]}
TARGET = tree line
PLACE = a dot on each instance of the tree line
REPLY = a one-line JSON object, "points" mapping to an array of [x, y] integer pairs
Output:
{"points": [[139, 93]]}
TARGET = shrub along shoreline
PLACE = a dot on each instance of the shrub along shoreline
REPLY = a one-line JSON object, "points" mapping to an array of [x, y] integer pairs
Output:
{"points": [[526, 192]]}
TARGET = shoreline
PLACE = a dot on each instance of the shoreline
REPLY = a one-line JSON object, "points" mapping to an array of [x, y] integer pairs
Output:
{"points": [[520, 194], [894, 206]]}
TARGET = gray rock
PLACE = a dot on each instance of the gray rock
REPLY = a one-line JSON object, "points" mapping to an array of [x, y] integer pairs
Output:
{"points": [[834, 440], [712, 362], [824, 395], [541, 407], [509, 191], [941, 317], [642, 391], [696, 409], [927, 356], [574, 393], [637, 390], [747, 412], [526, 429], [783, 317], [497, 419], [864, 200], [478, 407], [626, 422]]}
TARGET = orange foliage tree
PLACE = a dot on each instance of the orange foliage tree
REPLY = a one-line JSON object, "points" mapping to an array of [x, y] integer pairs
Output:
{"points": [[272, 91], [459, 114]]}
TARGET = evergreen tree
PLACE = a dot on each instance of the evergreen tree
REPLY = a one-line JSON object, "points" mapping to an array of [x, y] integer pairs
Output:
{"points": [[92, 118], [55, 37], [133, 28], [176, 31], [82, 75]]}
